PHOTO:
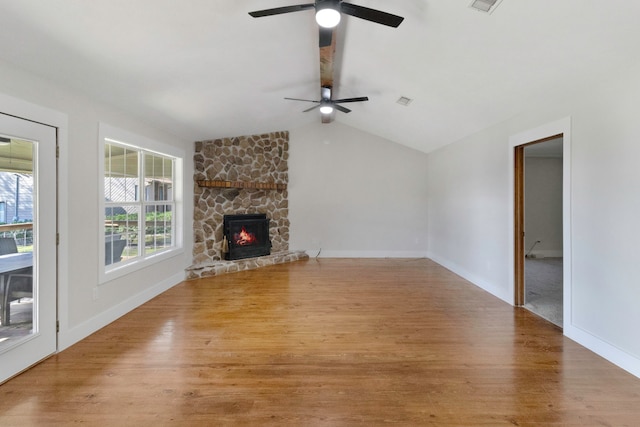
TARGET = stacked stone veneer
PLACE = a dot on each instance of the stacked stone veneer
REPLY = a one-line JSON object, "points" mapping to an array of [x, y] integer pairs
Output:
{"points": [[247, 159]]}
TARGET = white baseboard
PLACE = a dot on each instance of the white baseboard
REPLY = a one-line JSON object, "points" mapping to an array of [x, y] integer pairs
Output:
{"points": [[547, 254], [602, 348], [66, 338], [481, 283], [321, 253]]}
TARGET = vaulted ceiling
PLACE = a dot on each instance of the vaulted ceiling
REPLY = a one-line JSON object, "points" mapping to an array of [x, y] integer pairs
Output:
{"points": [[205, 68]]}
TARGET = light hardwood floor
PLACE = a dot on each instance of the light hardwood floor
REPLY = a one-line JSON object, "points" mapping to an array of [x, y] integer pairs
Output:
{"points": [[325, 343]]}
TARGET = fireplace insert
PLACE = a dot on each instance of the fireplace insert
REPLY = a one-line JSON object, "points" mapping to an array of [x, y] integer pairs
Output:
{"points": [[245, 236]]}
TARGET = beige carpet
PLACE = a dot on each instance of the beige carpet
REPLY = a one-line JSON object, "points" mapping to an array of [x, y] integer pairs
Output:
{"points": [[543, 288]]}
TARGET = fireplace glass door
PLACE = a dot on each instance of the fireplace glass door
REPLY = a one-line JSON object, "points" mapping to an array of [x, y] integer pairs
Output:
{"points": [[247, 236]]}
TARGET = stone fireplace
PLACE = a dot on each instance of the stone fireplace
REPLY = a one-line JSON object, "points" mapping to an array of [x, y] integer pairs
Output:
{"points": [[235, 176]]}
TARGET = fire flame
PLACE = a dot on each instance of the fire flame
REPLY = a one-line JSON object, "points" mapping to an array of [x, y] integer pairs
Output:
{"points": [[244, 238]]}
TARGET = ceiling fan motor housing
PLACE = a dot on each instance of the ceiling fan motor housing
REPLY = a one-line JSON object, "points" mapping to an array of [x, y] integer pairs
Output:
{"points": [[325, 93], [325, 4]]}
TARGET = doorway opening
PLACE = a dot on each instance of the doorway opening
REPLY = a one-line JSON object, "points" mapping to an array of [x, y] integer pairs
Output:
{"points": [[539, 227]]}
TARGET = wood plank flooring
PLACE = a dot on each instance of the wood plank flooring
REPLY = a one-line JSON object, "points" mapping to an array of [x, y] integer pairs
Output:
{"points": [[325, 343]]}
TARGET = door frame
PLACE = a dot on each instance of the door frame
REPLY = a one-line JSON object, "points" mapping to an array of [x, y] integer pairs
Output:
{"points": [[517, 143], [36, 113], [41, 342]]}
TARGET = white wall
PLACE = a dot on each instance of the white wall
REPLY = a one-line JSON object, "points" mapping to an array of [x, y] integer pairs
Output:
{"points": [[352, 194], [543, 205], [468, 189], [79, 312], [470, 212]]}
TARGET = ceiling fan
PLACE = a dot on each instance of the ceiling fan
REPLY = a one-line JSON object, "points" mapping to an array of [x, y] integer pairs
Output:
{"points": [[326, 104], [328, 14]]}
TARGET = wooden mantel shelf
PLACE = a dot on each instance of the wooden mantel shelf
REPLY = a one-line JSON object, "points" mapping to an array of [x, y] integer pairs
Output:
{"points": [[242, 184]]}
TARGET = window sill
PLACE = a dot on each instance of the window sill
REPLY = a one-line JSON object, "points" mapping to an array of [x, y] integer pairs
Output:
{"points": [[129, 267]]}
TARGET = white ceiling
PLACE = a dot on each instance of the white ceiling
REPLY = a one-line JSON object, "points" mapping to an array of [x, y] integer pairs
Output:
{"points": [[205, 69]]}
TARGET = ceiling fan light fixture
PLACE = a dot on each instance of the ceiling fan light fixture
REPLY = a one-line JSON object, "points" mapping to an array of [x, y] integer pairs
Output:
{"points": [[327, 16], [326, 109]]}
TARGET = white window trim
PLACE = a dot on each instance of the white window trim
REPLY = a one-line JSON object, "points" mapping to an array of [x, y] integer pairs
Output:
{"points": [[123, 137]]}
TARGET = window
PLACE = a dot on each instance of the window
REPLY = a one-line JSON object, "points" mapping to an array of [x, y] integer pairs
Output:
{"points": [[139, 201]]}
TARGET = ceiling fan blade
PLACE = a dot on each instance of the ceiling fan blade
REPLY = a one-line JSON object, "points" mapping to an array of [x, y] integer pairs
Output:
{"points": [[312, 108], [305, 100], [326, 36], [341, 108], [280, 10], [360, 99], [372, 15]]}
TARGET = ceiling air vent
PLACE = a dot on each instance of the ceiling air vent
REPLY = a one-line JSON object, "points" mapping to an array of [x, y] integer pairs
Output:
{"points": [[487, 6], [403, 100]]}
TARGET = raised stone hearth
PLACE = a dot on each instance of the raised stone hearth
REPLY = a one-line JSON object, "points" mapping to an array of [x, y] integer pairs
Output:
{"points": [[223, 267], [242, 175]]}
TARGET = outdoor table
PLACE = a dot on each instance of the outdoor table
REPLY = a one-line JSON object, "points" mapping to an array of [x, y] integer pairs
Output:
{"points": [[8, 264]]}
